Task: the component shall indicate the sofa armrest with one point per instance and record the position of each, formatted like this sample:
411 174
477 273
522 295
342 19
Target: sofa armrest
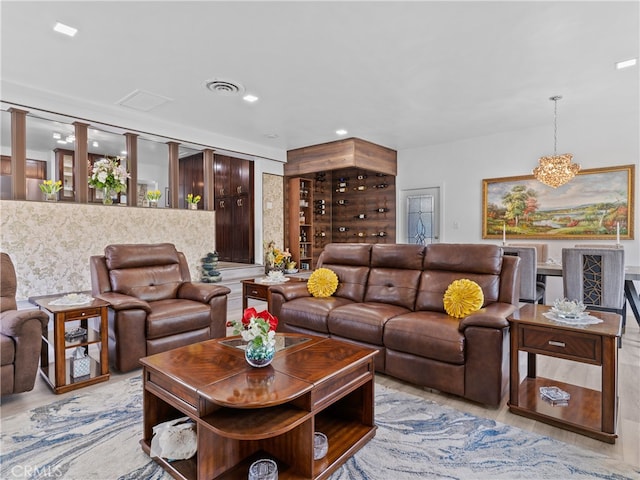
282 293
201 292
492 316
120 301
290 291
13 321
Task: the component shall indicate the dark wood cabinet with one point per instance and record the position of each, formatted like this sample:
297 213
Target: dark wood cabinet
233 193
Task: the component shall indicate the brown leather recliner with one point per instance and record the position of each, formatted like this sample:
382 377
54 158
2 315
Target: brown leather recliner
154 305
20 335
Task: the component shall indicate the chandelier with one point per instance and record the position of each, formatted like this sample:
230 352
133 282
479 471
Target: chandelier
557 169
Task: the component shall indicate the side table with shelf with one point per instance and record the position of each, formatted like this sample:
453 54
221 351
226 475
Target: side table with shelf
58 373
589 412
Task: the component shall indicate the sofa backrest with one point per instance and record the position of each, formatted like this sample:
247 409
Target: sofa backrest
350 262
395 274
148 272
444 263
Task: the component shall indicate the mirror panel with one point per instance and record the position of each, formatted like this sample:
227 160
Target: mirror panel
153 170
5 152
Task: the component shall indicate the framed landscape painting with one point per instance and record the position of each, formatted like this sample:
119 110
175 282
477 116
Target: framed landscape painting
596 204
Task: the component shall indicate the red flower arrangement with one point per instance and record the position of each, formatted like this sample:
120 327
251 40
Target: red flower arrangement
256 327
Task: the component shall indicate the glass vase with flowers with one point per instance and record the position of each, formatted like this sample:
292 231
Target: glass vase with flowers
109 175
192 201
50 189
258 329
153 196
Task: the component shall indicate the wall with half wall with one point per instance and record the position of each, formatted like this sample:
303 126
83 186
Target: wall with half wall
50 242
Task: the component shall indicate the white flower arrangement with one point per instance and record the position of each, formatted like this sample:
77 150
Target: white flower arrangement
109 173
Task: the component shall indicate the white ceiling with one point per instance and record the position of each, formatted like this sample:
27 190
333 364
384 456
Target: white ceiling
400 74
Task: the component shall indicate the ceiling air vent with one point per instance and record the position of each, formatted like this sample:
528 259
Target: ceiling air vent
224 87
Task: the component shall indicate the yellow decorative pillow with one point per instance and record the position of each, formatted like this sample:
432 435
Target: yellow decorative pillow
322 283
463 297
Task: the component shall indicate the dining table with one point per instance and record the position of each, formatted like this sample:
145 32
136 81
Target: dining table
631 273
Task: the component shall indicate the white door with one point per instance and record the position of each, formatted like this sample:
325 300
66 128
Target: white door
420 216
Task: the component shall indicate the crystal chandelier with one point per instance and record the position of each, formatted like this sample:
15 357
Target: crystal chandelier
557 169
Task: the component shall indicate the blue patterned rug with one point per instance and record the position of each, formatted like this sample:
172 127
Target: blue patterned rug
95 433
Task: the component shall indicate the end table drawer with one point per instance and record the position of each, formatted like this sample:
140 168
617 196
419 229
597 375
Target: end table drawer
571 345
256 291
84 313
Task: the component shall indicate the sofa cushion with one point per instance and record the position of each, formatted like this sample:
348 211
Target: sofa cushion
406 256
433 285
362 321
352 281
309 312
426 334
462 298
170 317
140 255
468 258
322 283
393 286
356 254
7 350
147 283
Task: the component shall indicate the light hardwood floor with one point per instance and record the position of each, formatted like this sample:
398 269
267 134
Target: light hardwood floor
626 449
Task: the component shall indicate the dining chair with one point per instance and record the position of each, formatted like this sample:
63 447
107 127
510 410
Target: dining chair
595 276
531 290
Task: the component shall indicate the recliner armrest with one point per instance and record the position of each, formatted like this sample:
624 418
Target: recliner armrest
201 292
492 316
12 321
120 301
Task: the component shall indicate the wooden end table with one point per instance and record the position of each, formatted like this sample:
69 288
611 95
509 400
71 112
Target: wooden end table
58 373
257 289
589 412
244 413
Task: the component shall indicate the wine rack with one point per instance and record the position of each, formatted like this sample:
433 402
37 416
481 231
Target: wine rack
346 205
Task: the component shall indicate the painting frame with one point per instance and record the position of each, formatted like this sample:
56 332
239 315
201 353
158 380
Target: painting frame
597 204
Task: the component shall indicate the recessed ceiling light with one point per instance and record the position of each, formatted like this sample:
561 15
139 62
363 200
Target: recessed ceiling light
57 136
341 131
271 135
250 98
62 142
95 144
65 29
626 63
123 152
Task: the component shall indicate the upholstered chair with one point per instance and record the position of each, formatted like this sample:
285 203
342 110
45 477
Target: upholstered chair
154 305
531 290
595 276
20 335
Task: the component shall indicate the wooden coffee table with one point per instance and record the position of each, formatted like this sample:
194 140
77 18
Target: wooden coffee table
244 413
589 412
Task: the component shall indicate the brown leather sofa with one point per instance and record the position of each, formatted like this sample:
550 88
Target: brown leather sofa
390 297
20 335
154 305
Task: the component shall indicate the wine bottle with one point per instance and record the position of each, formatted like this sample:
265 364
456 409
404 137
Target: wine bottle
361 216
343 229
360 188
381 210
342 202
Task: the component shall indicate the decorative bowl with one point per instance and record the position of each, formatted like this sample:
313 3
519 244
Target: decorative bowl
320 445
568 308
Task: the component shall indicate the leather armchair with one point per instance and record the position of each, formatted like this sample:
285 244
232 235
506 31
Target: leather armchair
154 305
20 335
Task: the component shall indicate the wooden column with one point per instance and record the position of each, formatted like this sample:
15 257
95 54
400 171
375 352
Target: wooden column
174 174
208 179
81 163
18 153
131 140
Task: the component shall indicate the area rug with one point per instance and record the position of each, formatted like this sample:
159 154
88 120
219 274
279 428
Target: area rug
95 434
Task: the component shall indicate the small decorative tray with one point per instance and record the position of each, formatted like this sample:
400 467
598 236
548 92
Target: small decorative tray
580 319
272 280
72 299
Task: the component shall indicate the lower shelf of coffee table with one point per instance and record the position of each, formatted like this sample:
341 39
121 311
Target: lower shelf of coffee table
345 438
